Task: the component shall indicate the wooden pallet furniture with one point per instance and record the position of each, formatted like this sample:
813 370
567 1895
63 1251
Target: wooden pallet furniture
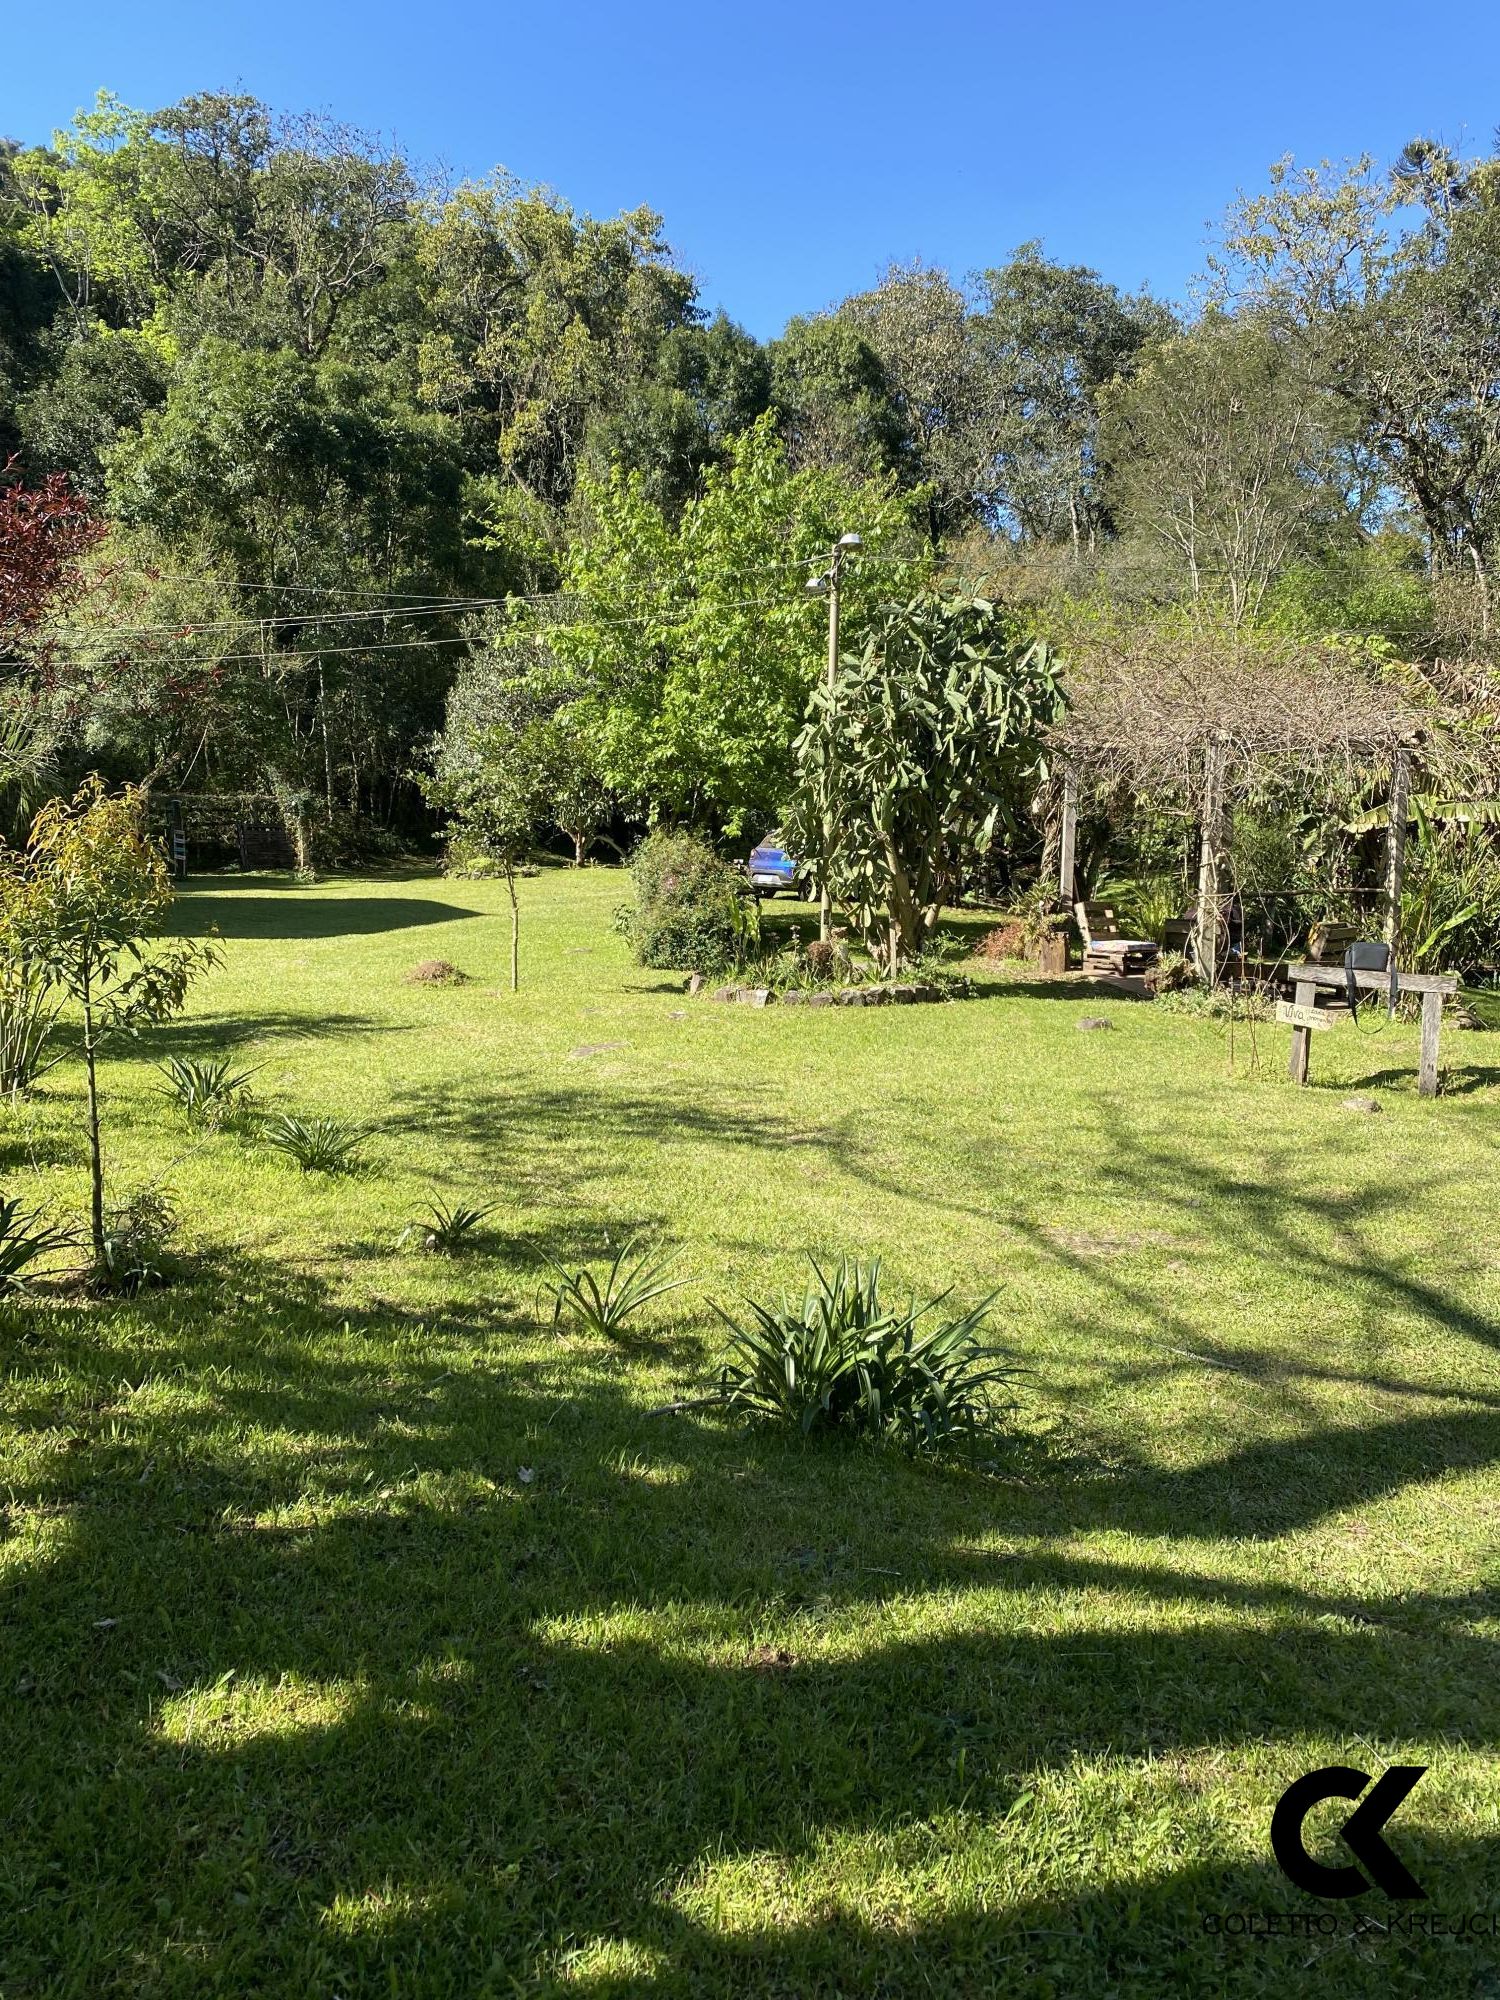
1309 980
1105 948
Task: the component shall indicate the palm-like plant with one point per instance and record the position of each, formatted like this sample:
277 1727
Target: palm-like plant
24 1238
447 1226
840 1358
208 1093
604 1309
317 1145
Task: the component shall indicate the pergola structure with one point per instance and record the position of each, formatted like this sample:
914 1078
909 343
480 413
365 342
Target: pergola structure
1211 713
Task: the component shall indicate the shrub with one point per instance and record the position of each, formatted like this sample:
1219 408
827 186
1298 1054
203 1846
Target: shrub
841 1359
28 1010
24 1237
604 1309
317 1145
137 1236
690 913
208 1094
446 1226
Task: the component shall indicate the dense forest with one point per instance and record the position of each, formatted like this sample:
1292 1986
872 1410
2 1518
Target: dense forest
330 441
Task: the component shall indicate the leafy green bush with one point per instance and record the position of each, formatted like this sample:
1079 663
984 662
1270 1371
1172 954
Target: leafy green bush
841 1359
137 1239
690 913
317 1145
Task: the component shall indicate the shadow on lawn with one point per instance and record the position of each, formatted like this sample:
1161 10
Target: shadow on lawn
502 1718
319 916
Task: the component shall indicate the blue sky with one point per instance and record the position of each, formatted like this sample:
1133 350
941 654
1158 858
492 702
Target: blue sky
795 150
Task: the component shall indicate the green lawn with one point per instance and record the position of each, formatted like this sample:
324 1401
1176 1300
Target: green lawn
362 1636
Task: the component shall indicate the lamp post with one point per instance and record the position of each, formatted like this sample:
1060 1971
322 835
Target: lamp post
829 582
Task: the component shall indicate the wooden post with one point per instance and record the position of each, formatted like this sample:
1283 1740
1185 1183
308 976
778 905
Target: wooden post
1066 871
1395 845
1432 1020
1307 995
1210 857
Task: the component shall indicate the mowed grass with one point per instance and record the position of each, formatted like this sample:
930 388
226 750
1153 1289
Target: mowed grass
364 1636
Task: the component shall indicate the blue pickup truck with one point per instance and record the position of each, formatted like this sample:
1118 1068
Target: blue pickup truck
770 868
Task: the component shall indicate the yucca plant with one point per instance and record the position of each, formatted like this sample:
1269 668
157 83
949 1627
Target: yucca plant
207 1093
604 1309
24 1238
841 1359
28 1013
445 1226
317 1145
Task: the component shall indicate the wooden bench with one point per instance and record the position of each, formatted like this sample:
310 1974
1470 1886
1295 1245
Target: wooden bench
1105 948
1309 980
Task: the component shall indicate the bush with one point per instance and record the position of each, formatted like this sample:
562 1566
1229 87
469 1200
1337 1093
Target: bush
690 912
28 1012
137 1239
840 1359
209 1094
316 1145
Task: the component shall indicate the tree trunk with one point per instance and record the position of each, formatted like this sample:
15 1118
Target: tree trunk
578 848
96 1153
515 932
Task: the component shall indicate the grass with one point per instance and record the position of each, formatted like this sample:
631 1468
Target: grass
365 1635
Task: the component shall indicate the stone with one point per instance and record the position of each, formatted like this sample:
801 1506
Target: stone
727 993
795 998
757 996
1359 1102
1094 1021
820 999
854 996
695 984
905 993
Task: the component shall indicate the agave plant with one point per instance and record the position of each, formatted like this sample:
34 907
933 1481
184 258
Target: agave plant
317 1145
604 1309
446 1226
24 1238
840 1358
207 1093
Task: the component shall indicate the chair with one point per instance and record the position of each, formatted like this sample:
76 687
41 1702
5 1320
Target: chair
1105 949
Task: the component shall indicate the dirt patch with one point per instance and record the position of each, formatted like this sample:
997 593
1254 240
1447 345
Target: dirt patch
436 972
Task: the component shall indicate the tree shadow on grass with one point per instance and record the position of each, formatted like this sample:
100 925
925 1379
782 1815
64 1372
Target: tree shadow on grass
315 1691
319 916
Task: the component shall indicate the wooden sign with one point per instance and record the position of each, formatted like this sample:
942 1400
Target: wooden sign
1290 1015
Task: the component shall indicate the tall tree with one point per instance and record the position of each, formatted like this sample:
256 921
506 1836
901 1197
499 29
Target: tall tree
1051 337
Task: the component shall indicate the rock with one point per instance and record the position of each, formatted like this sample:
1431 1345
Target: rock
1094 1021
905 993
1358 1102
727 993
795 998
820 999
756 996
695 984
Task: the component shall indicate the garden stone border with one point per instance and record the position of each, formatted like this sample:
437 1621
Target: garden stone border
902 993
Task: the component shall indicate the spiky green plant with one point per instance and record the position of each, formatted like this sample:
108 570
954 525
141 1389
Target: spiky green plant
317 1145
446 1226
208 1093
24 1238
840 1358
604 1309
